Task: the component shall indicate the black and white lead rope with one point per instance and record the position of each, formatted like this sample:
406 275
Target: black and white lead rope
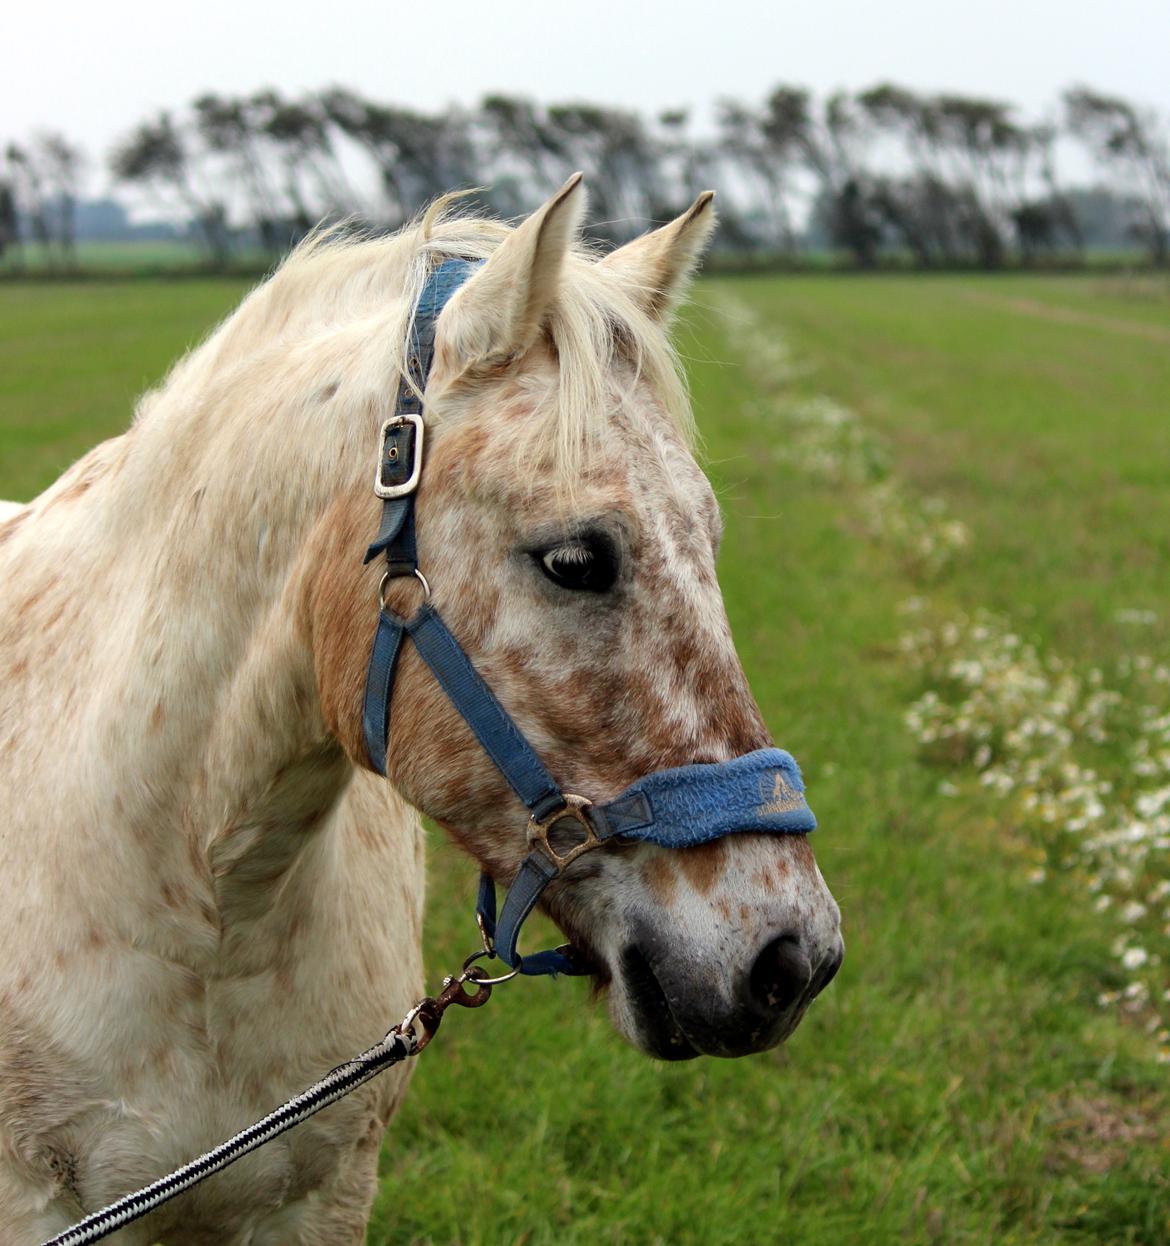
400 1043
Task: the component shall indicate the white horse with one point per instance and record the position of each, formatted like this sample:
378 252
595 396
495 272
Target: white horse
207 898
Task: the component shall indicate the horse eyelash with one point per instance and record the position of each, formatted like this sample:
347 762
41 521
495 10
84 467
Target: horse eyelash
574 552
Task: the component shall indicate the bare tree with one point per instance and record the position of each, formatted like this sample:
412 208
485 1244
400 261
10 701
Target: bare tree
9 221
158 156
313 179
229 129
62 165
27 179
1132 144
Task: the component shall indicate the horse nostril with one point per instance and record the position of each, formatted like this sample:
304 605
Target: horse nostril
827 971
780 976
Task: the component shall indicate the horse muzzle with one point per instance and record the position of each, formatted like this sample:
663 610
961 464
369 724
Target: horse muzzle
677 1011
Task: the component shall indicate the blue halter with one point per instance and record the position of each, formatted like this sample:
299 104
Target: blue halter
760 792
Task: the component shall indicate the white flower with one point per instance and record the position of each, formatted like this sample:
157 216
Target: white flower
1134 957
1140 618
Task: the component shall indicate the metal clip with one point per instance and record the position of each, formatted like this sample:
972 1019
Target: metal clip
489 944
421 1023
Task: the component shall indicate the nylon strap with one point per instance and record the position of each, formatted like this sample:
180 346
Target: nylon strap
535 875
396 532
396 529
501 739
379 686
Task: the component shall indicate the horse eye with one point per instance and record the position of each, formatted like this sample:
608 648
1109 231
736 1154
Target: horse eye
581 564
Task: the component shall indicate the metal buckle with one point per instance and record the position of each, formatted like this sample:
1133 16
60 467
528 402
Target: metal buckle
577 808
409 485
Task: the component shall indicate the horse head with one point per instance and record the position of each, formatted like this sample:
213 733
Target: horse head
569 539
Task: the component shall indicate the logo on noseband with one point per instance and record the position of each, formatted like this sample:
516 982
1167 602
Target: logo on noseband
783 798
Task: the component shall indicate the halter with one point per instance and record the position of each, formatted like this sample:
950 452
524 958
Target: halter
760 792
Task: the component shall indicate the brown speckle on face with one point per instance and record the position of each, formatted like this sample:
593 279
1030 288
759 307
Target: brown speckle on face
702 865
660 878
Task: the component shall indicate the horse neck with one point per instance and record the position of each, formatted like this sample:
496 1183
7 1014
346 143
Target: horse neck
197 715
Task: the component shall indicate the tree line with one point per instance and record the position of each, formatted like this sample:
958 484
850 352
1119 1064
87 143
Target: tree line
937 180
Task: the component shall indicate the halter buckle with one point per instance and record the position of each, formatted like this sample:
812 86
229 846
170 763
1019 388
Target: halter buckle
576 808
400 445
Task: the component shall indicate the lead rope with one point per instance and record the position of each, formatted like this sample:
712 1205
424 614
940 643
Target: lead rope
406 1039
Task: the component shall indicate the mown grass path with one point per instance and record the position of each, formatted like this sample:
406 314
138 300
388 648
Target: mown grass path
957 1084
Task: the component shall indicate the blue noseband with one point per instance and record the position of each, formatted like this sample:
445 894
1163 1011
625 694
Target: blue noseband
760 792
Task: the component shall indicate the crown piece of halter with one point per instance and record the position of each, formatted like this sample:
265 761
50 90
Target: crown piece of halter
760 792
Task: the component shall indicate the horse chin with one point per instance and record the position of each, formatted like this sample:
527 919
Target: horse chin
644 1017
656 1031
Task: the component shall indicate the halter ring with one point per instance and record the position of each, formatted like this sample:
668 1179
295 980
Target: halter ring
387 577
466 976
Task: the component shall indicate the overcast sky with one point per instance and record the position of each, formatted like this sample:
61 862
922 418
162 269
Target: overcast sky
93 70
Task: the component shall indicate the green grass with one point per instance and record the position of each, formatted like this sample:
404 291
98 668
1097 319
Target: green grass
73 358
130 258
957 1083
1050 439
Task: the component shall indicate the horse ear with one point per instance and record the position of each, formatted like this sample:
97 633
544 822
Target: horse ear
658 266
497 315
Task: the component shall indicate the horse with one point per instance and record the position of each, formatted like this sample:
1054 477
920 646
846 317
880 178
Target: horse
209 895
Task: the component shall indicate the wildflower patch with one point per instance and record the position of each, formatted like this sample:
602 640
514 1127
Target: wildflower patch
1082 763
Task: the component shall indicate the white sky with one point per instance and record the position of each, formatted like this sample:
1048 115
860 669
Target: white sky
93 70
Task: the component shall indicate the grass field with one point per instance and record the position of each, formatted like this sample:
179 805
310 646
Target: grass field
129 258
961 1081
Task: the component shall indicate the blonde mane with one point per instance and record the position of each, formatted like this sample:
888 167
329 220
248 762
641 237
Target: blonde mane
343 298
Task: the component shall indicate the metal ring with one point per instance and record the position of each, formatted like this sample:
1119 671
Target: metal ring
387 577
487 981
